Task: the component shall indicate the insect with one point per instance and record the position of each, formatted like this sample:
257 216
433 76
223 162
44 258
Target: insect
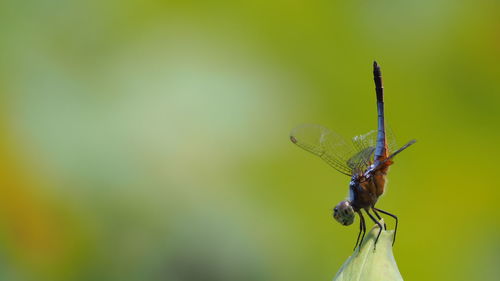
366 160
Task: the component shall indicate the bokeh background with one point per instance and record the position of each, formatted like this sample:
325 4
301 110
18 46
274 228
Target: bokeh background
148 140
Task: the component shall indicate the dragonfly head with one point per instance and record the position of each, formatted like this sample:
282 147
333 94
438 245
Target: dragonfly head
344 213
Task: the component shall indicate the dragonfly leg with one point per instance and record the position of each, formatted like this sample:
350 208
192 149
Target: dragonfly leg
393 216
362 229
379 217
379 225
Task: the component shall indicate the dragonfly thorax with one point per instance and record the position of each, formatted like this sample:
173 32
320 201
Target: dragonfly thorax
355 188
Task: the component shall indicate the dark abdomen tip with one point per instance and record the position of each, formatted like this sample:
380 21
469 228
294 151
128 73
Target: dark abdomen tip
376 69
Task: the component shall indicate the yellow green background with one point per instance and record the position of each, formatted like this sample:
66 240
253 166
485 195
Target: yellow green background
148 140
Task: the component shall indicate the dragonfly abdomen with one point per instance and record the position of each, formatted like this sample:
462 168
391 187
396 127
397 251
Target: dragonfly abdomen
381 147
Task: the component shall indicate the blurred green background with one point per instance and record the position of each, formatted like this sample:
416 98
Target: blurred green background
148 140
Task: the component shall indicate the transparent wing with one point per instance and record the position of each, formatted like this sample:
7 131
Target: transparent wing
329 146
391 139
365 147
361 160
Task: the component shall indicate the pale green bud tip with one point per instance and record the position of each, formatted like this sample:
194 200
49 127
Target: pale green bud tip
369 265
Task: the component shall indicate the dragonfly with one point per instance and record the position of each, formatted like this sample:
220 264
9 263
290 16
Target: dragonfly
366 160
